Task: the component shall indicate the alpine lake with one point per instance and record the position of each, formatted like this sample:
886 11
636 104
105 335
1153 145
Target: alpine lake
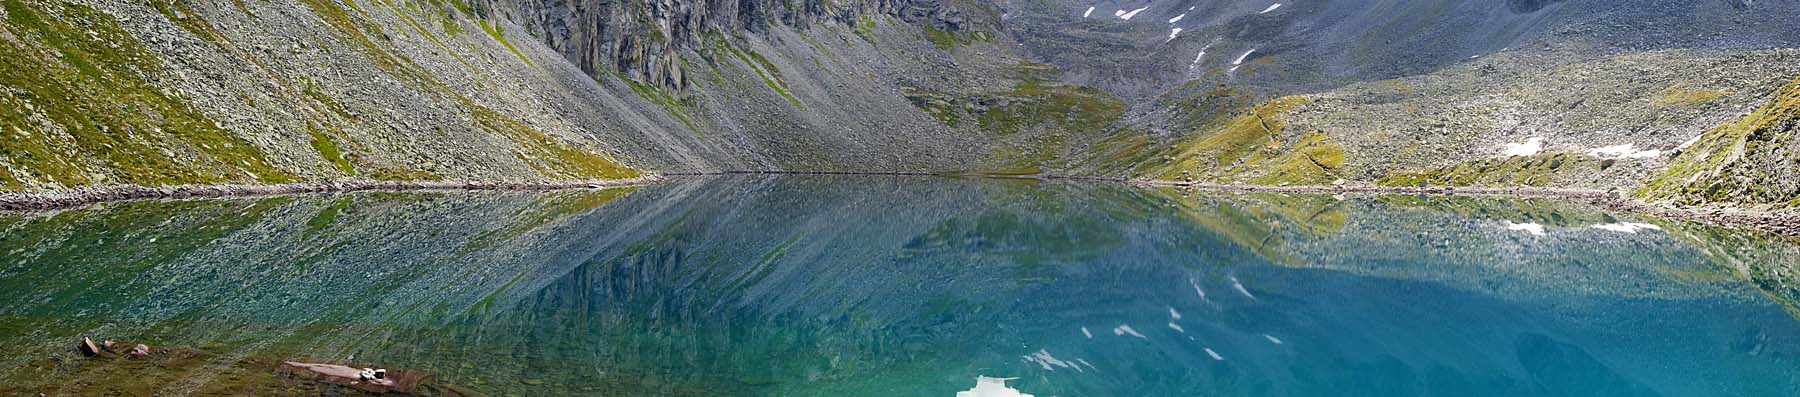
894 286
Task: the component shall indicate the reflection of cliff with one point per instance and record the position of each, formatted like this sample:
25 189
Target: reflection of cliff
798 286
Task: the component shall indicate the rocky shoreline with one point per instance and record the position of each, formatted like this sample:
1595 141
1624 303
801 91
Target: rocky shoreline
1782 223
38 201
1785 223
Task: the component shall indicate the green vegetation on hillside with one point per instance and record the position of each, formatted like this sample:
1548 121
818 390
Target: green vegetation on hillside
1251 148
1750 160
78 107
1539 170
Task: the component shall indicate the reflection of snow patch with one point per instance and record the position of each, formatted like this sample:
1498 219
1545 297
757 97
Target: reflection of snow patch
1241 58
1177 328
1240 288
1625 151
1172 33
1123 329
1085 332
1627 227
1533 228
1531 147
1272 339
1215 355
991 387
1127 15
1090 11
1177 18
1271 8
1043 359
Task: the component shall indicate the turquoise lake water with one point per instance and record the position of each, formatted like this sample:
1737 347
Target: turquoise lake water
898 286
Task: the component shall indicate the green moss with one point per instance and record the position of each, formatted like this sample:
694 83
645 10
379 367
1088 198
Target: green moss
1681 95
551 157
1033 103
950 39
865 27
328 149
770 75
499 34
1541 170
179 14
81 108
1745 160
662 98
1249 148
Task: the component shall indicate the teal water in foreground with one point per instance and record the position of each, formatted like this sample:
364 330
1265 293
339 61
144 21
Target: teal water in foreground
873 286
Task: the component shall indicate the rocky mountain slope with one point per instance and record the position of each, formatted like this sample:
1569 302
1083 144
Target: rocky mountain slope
1570 93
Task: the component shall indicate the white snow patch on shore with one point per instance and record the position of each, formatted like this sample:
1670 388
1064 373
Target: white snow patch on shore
1172 33
1090 11
1272 339
1084 332
1175 315
1127 15
1625 151
1530 147
1177 328
1215 355
1533 228
1177 18
1627 227
1271 8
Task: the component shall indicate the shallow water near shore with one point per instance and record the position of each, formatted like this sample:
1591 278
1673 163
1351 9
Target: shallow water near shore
897 286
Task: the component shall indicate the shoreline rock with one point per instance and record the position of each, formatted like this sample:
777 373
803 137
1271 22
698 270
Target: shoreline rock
74 198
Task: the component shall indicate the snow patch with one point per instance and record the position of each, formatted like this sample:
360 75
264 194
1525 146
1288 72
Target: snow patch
1530 147
1090 11
1625 151
1271 8
1177 328
1177 18
1627 227
1241 58
1127 15
1084 332
1690 142
991 387
1123 329
1215 355
1196 283
1174 315
1172 33
1272 339
1533 228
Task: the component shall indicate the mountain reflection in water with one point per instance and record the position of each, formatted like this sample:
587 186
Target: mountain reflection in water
877 286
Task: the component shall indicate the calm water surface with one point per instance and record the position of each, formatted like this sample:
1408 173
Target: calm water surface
828 286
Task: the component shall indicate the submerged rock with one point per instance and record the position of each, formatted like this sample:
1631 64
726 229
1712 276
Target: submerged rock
398 381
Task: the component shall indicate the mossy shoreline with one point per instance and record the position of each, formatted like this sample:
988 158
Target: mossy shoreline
74 198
